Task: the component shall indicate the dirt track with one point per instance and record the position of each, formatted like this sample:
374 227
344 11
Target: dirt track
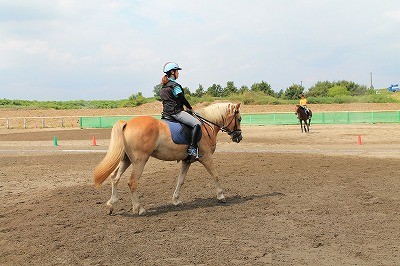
293 199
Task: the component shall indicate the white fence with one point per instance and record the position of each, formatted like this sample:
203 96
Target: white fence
39 122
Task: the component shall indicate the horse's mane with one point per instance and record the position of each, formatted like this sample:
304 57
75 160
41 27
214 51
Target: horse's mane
216 112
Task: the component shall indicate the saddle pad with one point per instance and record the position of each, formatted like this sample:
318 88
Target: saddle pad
180 133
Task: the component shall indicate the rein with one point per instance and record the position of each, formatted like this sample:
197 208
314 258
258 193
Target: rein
223 128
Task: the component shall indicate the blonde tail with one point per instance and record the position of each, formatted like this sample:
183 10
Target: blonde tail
114 154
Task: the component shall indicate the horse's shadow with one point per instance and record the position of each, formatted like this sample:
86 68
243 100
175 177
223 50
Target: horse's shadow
200 203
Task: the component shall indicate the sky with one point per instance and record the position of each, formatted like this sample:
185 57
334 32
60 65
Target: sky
110 49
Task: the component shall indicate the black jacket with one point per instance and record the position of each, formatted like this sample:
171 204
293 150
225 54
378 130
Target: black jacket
171 104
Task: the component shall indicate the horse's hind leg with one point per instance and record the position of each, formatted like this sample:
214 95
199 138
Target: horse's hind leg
209 165
181 179
115 177
137 169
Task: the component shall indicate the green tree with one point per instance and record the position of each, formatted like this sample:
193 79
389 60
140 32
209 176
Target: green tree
243 89
156 92
293 92
230 89
337 91
264 87
134 100
354 88
215 90
186 91
320 89
280 93
199 92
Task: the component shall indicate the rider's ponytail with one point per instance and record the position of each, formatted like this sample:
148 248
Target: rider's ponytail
164 80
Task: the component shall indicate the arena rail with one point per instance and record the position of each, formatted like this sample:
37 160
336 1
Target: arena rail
39 122
348 117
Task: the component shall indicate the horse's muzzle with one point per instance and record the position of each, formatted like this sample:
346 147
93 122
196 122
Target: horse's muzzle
237 136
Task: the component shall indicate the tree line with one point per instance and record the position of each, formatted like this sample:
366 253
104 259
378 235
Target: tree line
323 92
293 92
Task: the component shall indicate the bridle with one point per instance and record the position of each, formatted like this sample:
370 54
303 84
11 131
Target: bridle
235 132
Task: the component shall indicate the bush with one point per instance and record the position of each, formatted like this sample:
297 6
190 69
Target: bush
338 91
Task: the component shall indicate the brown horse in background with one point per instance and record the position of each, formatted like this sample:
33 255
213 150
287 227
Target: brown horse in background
303 116
134 141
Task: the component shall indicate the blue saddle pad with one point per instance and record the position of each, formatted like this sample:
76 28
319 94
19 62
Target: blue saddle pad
180 133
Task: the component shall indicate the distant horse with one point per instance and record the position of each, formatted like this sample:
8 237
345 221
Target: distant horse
303 116
134 141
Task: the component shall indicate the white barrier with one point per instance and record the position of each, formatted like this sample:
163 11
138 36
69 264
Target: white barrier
39 122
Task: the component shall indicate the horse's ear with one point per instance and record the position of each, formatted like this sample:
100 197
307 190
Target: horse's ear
229 109
238 106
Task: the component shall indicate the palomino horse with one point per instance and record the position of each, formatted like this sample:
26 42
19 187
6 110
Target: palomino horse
303 117
134 141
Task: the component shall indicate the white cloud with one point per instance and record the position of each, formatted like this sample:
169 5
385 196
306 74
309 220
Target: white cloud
393 15
121 45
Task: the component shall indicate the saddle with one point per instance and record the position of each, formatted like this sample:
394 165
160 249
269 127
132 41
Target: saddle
306 110
180 133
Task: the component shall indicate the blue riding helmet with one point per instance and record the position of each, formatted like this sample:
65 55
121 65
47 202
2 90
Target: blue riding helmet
171 66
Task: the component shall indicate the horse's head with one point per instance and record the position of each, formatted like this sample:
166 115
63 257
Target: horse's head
232 122
225 116
296 108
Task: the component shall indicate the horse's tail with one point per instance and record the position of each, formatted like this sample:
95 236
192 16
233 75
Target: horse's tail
114 154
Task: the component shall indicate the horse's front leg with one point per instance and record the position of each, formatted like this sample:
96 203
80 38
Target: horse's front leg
115 177
181 179
301 125
209 165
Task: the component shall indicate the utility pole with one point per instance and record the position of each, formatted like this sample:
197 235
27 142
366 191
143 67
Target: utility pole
370 76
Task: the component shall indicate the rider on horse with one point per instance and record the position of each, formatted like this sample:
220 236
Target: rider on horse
303 103
173 99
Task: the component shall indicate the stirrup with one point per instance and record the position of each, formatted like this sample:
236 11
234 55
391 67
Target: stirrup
193 152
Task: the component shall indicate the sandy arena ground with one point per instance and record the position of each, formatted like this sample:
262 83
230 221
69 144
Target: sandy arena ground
292 199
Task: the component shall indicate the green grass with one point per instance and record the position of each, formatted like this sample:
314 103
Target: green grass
247 98
78 104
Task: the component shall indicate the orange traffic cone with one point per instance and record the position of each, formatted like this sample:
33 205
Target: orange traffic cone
94 143
359 142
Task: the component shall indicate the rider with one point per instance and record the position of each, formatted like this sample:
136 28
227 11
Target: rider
303 103
173 99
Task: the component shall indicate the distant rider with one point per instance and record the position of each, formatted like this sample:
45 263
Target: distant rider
173 100
303 103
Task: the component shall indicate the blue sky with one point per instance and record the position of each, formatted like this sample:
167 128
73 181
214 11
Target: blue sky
92 50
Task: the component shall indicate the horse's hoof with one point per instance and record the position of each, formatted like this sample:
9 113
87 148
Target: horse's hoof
139 211
110 208
142 211
177 202
221 198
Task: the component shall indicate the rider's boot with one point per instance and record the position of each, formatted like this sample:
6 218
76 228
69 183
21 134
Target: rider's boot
193 149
